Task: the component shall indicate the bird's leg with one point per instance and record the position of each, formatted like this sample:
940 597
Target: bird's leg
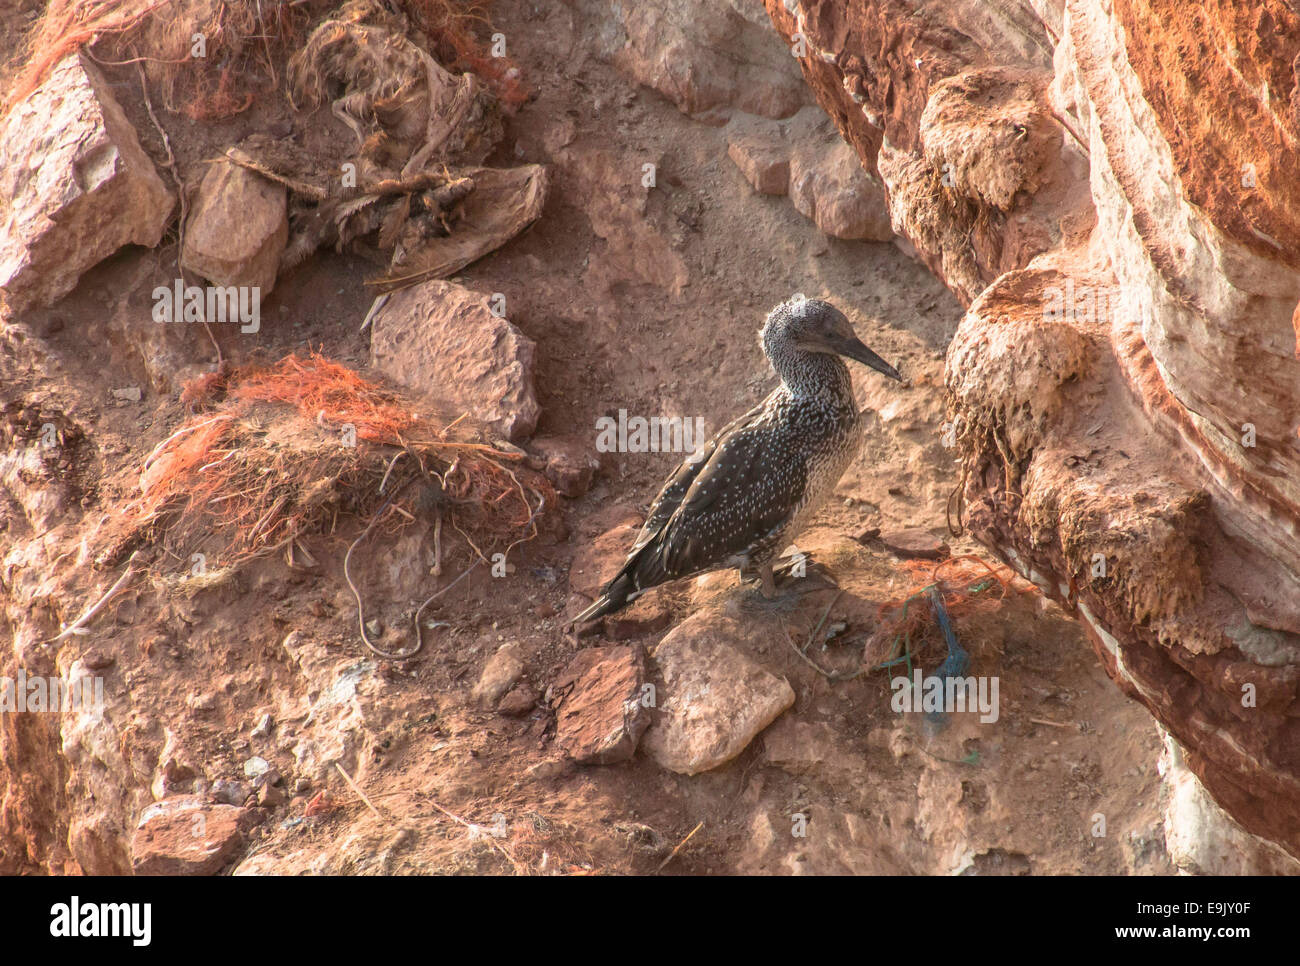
766 583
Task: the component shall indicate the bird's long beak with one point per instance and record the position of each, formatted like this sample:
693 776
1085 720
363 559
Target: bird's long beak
855 349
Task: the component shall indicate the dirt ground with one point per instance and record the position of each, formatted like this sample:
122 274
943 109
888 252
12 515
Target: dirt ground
647 301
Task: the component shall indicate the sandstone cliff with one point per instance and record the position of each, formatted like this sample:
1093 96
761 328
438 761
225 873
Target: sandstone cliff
1111 187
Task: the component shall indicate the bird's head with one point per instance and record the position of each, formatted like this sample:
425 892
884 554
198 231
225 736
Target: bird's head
814 325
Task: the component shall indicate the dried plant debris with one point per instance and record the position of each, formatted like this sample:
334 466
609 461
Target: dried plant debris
503 203
212 58
411 196
404 108
276 453
428 224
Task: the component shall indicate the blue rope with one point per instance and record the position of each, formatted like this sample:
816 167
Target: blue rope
957 662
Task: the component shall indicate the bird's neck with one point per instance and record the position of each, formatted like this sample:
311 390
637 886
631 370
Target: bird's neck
811 375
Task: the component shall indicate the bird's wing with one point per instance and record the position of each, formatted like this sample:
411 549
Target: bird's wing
746 491
676 487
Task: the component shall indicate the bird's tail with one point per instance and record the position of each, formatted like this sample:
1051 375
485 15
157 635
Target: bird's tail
613 598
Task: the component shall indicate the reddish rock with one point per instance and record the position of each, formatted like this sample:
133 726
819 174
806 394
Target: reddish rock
628 625
760 153
97 660
443 340
499 675
706 56
867 534
599 717
568 463
914 543
518 701
186 835
75 185
829 186
637 248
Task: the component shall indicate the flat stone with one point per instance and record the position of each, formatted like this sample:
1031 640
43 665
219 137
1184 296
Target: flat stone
442 340
75 186
600 717
187 835
914 543
707 56
237 228
714 698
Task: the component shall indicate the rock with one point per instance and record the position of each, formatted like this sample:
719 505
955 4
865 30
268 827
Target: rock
714 699
914 543
809 748
760 153
263 727
442 340
271 776
569 463
1201 838
517 702
97 660
227 792
829 186
707 56
75 186
649 620
186 835
867 534
638 247
256 767
600 718
201 703
237 229
499 675
271 796
175 772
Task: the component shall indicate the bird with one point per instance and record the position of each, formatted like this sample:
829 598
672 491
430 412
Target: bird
743 496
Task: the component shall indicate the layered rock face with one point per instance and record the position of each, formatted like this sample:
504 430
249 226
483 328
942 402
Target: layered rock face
1111 186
